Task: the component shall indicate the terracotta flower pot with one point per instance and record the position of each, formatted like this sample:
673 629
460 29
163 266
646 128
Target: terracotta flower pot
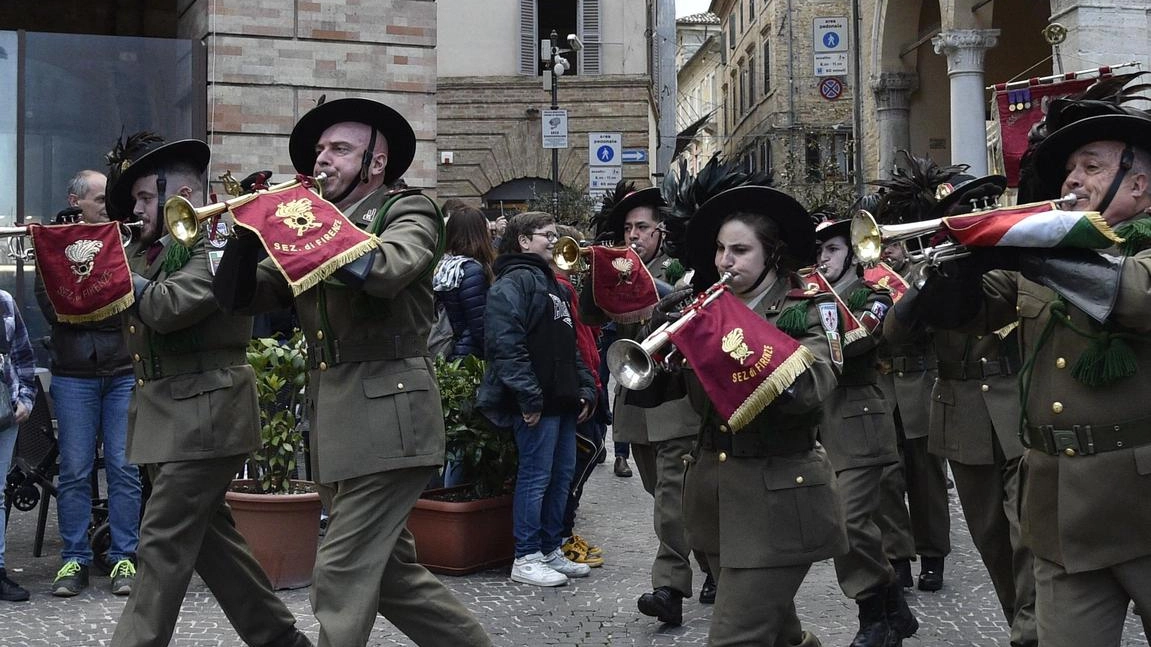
283 531
460 537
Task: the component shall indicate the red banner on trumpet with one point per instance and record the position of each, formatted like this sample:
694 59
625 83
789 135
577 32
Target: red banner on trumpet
84 269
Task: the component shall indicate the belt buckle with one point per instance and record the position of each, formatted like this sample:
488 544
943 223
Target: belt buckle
1066 441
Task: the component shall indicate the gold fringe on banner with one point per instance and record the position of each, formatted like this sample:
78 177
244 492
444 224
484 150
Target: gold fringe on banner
782 377
114 308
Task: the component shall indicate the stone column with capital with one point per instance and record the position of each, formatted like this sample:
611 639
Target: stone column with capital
893 110
964 49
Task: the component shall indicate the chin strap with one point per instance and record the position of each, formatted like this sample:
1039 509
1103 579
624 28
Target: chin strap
365 170
1125 163
161 197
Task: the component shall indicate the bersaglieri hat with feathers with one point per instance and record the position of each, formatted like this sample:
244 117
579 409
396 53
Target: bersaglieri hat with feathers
609 222
143 152
910 194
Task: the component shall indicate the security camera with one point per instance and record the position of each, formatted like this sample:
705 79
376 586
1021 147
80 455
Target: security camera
574 42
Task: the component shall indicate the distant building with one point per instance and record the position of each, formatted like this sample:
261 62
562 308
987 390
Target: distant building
697 60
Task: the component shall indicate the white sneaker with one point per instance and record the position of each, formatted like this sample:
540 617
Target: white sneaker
556 561
531 569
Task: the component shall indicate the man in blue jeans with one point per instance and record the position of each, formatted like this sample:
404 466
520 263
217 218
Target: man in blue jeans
18 378
91 388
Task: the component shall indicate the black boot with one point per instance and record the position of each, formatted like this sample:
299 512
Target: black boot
931 576
899 616
873 628
903 572
664 603
708 590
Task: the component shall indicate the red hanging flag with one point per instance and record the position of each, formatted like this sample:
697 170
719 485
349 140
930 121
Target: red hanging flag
621 284
306 236
742 360
1019 110
84 269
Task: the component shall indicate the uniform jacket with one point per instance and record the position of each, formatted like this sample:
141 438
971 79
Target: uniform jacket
907 373
673 419
94 349
373 401
195 392
1084 512
464 305
858 429
534 363
770 510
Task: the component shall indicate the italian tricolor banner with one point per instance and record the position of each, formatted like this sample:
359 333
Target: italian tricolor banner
1032 225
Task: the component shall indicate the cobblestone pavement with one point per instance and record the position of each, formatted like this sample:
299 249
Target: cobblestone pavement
599 610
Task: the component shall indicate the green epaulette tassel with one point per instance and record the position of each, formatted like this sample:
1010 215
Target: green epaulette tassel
1106 360
1136 235
857 298
674 271
175 257
793 319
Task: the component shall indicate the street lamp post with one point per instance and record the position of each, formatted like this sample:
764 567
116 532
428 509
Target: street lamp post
555 65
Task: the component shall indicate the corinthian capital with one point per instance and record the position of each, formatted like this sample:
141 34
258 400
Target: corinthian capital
964 48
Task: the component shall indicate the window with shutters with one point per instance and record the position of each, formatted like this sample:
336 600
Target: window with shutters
537 20
766 66
731 32
750 10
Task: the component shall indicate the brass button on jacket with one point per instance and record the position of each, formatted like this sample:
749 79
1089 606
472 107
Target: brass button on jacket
723 457
1057 407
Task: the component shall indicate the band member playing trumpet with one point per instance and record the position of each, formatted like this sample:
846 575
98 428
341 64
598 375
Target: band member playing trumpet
377 424
762 503
661 435
194 418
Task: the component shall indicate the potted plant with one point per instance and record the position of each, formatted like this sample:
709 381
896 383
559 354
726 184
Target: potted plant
468 528
278 515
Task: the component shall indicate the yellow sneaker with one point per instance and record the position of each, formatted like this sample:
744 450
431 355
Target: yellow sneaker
591 550
576 550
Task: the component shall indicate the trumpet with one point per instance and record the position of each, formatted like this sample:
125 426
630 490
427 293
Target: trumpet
184 220
19 250
632 363
927 241
570 256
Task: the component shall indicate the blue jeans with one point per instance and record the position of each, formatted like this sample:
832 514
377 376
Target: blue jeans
547 454
7 446
93 410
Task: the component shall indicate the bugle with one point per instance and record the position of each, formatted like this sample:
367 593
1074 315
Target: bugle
569 255
632 363
18 248
926 241
184 220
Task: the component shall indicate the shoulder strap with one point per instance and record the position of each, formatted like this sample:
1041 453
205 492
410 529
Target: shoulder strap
381 217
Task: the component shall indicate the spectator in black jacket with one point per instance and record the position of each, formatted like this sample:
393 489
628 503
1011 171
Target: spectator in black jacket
537 383
462 279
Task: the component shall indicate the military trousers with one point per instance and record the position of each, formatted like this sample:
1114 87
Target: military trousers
864 569
367 564
923 478
187 526
894 520
661 468
1090 608
756 606
989 495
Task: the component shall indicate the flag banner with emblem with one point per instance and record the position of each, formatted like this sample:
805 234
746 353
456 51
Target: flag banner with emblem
306 236
1040 224
1017 110
883 277
621 284
742 361
849 327
84 269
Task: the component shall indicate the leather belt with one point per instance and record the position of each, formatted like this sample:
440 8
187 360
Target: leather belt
913 364
978 369
1087 439
859 378
385 348
160 366
748 444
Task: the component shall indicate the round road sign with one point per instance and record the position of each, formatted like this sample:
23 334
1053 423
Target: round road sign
831 88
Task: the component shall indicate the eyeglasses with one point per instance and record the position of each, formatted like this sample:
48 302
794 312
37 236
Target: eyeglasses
550 235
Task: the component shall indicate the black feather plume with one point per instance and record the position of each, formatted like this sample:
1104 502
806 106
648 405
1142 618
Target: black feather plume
600 221
126 151
910 193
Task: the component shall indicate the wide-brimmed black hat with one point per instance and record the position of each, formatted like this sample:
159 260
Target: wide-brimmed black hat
401 138
617 214
795 226
141 156
1051 155
963 189
828 229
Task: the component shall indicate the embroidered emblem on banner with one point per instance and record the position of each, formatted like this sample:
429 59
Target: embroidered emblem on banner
298 215
733 344
623 266
80 255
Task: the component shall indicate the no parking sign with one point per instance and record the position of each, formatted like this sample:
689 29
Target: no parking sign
831 88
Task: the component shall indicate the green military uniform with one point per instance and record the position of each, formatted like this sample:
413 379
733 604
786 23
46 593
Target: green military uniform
193 420
762 504
660 437
906 375
377 431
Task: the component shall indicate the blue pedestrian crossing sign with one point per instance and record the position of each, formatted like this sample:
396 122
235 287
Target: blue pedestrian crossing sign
829 34
605 154
603 149
831 40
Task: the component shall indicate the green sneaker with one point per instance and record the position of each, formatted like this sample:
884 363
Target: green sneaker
70 579
123 576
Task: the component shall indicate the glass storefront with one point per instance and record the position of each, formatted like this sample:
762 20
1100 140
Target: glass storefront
64 101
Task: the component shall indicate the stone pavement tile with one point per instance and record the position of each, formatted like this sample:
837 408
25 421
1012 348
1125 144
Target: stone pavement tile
595 611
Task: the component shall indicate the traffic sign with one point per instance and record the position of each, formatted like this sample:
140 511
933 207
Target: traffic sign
603 178
604 149
554 125
633 155
830 34
832 64
831 89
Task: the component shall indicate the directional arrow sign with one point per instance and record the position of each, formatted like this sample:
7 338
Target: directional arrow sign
633 155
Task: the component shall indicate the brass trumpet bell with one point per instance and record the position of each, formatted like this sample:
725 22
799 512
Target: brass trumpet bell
184 220
568 255
868 239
